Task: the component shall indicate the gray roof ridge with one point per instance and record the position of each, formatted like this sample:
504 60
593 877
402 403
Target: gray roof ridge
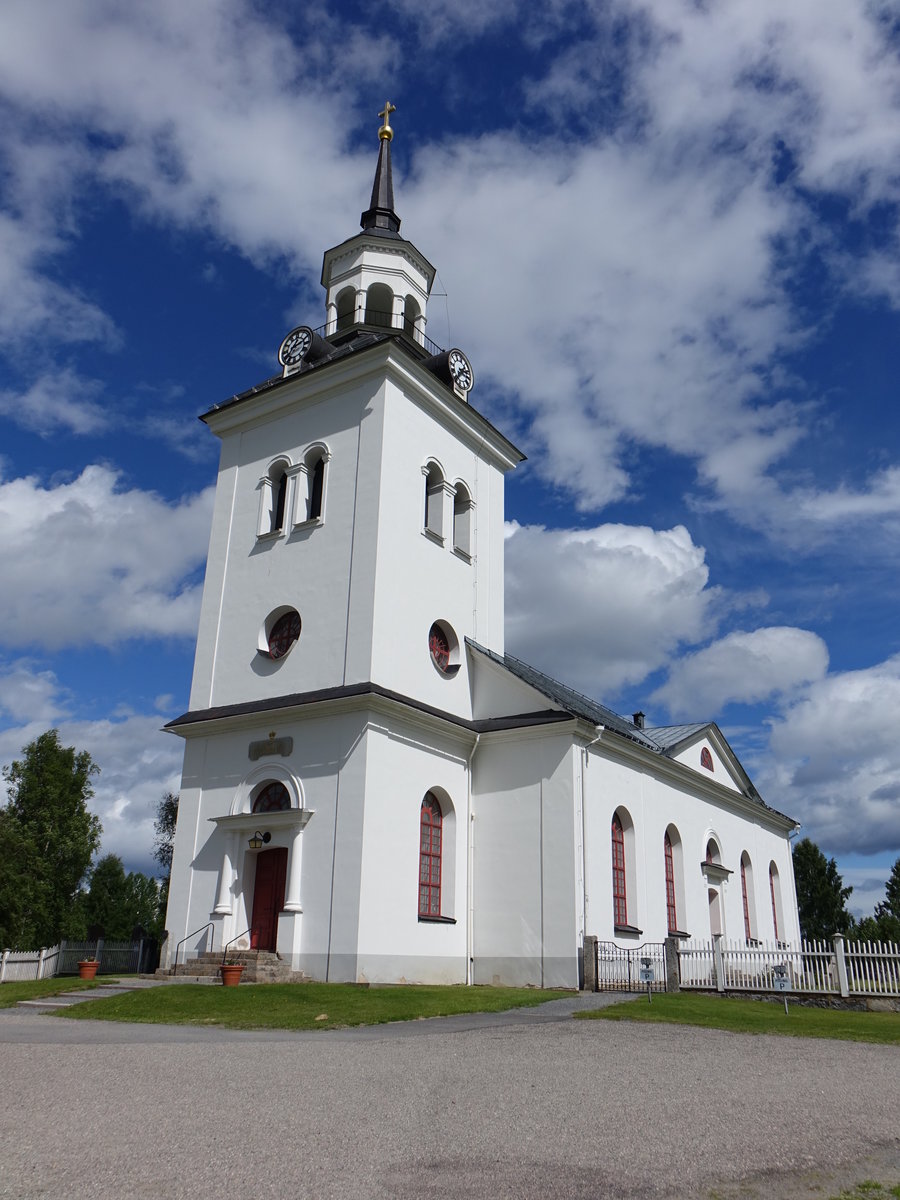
578 702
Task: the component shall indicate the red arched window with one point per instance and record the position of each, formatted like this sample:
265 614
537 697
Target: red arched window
620 900
273 798
747 934
671 912
706 759
430 831
772 886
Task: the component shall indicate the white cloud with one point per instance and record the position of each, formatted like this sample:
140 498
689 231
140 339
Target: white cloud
138 763
599 608
834 759
62 400
743 667
29 693
90 562
651 310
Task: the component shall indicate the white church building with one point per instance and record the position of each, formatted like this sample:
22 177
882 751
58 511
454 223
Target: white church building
372 787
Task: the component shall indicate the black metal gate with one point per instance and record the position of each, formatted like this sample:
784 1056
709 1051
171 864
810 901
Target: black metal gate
622 969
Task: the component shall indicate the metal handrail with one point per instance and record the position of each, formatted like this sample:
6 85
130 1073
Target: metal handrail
208 925
234 939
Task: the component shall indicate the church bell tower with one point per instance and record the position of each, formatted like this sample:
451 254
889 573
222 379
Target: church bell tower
358 527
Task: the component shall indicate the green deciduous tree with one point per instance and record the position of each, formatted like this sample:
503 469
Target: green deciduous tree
821 895
47 839
116 904
890 906
164 826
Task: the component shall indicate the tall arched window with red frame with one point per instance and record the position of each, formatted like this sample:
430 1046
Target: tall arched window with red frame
671 908
773 884
620 898
747 934
430 837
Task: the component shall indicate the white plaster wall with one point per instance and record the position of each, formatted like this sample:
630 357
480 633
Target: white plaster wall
653 802
497 693
690 756
404 762
308 568
417 580
525 888
328 759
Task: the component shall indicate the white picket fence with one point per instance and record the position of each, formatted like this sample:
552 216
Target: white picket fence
836 967
28 964
114 958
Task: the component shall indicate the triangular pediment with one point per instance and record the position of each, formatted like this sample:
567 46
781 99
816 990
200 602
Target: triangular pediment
703 748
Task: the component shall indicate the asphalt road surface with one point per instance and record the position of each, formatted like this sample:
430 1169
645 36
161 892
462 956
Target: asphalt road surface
530 1105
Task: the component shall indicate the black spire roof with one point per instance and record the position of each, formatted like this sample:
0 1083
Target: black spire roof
380 215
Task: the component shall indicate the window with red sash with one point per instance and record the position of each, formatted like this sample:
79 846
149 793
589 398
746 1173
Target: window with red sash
671 910
430 848
620 899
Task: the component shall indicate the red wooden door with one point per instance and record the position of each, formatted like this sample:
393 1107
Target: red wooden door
268 898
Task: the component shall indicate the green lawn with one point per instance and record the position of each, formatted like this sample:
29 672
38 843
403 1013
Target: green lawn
34 989
756 1016
870 1190
300 1005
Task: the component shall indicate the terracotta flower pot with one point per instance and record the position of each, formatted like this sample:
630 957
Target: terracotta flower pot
88 969
231 973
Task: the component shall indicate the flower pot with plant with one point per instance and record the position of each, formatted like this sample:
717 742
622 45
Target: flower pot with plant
88 968
231 971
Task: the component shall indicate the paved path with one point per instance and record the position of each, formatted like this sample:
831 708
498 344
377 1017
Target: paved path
530 1104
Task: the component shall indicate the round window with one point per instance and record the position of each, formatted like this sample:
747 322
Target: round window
273 798
439 647
283 634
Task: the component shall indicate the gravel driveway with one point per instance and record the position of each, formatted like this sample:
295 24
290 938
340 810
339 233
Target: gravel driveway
528 1105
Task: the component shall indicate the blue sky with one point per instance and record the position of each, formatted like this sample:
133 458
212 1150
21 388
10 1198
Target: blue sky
667 239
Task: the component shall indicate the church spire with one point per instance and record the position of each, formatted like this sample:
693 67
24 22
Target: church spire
380 213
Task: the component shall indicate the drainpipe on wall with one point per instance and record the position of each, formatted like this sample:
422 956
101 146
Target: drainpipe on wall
470 861
601 729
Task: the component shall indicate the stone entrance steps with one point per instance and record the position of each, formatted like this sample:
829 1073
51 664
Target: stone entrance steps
260 966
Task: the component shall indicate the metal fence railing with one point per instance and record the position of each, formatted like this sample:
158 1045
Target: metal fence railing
625 969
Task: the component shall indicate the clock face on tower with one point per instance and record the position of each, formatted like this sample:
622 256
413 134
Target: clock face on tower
295 346
460 370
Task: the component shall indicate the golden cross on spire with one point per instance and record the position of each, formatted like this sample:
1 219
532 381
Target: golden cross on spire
385 131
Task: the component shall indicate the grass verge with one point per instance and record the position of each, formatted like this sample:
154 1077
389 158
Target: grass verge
756 1016
300 1005
869 1189
35 989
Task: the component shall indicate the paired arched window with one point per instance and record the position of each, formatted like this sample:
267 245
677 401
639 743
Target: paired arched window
462 520
620 887
431 823
315 465
434 501
274 497
272 797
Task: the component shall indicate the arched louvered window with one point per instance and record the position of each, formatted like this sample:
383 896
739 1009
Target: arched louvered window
430 851
620 899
